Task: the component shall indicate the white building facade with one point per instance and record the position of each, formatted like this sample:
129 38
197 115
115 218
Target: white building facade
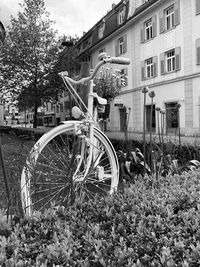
162 40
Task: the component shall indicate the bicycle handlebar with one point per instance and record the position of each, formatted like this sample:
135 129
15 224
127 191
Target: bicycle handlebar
117 60
112 60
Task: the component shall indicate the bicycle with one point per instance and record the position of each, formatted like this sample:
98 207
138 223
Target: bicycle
75 157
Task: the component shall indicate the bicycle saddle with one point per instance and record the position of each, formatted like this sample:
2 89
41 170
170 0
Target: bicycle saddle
100 100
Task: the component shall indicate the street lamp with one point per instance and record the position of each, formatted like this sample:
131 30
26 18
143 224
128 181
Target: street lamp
144 91
2 37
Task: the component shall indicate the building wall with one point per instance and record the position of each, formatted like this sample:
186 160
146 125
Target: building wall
181 85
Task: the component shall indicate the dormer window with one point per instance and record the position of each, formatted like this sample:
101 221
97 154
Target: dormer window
101 29
121 15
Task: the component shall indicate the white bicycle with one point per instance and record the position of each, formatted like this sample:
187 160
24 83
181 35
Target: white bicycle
74 158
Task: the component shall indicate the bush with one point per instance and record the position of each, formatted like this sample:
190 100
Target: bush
152 223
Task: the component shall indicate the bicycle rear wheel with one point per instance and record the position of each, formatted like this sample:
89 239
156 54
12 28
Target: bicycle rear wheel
58 167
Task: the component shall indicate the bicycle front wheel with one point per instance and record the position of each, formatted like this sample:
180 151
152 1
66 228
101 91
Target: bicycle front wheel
66 162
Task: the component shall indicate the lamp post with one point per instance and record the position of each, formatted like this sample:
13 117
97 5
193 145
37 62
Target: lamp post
151 95
179 129
162 112
144 91
158 122
2 37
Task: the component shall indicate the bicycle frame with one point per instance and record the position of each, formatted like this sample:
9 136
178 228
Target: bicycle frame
92 113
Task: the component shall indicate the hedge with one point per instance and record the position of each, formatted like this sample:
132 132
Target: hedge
150 223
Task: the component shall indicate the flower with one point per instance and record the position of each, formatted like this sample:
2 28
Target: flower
145 90
152 94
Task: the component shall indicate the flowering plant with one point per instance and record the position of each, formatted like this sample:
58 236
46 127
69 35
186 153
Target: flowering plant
109 83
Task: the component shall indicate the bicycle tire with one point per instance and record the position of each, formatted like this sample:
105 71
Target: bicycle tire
53 169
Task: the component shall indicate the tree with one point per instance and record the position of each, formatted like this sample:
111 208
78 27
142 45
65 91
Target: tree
29 54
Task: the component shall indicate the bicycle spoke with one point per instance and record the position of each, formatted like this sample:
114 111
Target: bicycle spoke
49 201
56 173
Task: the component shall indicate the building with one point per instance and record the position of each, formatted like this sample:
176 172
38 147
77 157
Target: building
162 40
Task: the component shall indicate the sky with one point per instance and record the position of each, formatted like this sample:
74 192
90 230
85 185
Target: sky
72 17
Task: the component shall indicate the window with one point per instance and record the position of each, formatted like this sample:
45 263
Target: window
170 17
121 16
148 29
61 107
198 51
121 45
50 119
197 7
101 29
149 68
123 119
57 108
102 50
170 61
172 117
66 105
151 126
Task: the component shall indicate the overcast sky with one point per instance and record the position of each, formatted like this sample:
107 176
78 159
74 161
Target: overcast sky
72 16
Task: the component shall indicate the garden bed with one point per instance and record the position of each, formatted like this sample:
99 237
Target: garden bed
152 223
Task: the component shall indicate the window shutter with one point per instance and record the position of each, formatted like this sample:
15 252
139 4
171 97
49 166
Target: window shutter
125 44
177 58
143 70
162 63
177 12
117 48
197 7
142 32
155 68
198 51
161 18
154 25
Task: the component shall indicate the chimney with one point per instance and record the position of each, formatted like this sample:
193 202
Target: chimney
113 5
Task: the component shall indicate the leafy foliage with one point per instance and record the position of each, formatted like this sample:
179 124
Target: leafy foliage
109 82
153 223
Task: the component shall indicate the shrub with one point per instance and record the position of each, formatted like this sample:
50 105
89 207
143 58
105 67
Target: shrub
153 223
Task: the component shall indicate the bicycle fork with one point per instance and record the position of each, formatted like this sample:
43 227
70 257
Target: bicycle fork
94 155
